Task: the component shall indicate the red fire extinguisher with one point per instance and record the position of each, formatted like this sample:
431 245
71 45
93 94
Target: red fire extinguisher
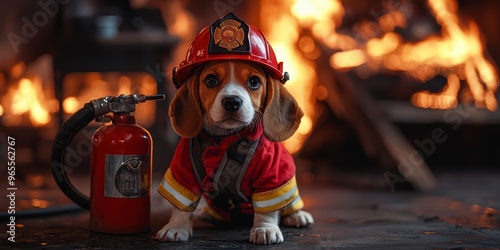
121 163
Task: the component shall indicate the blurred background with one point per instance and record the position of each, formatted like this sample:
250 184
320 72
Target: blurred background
393 91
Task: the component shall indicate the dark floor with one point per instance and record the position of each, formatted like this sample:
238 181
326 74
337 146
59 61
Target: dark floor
462 213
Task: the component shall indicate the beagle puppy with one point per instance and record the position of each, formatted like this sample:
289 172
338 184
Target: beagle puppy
232 115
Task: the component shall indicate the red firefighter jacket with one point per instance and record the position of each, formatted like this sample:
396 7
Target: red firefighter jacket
257 175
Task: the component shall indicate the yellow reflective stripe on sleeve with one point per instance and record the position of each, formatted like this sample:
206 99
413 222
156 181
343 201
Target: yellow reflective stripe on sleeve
177 194
295 206
275 192
273 200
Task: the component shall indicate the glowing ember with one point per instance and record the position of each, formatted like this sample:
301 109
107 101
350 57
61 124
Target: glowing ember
17 70
348 59
71 105
447 99
39 203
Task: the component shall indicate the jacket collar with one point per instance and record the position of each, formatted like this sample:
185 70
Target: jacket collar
251 133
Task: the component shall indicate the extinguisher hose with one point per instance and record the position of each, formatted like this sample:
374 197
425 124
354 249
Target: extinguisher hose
63 139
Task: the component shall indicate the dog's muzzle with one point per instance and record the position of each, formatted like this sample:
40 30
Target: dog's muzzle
232 103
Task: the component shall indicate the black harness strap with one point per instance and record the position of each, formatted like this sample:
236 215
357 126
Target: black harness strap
229 174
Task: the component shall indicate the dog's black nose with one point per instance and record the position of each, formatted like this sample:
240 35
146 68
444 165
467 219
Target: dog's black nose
231 103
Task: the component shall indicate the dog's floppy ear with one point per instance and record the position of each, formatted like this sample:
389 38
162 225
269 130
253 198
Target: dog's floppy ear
282 114
185 112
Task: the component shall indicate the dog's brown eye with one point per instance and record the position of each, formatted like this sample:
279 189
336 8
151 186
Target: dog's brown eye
211 80
254 82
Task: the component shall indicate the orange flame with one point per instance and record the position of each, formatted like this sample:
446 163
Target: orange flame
17 70
457 54
447 99
28 98
282 32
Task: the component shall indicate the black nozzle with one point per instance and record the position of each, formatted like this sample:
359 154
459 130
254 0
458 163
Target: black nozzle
155 97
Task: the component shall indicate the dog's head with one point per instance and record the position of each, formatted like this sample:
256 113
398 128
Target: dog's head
225 96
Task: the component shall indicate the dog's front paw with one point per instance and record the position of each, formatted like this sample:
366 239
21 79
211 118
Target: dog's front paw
298 219
174 233
266 234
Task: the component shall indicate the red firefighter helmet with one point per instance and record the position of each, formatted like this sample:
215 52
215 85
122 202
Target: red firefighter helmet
229 38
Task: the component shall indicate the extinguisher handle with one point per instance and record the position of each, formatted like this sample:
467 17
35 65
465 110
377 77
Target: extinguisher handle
63 138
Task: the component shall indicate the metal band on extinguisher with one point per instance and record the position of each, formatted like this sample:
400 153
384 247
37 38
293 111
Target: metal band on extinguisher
127 176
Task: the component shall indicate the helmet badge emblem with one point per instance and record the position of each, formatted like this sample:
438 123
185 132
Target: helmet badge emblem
229 35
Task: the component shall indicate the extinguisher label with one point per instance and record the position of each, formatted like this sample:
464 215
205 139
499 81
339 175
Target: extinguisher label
127 176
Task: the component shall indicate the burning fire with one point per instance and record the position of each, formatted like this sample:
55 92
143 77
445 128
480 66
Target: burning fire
282 30
456 54
28 98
